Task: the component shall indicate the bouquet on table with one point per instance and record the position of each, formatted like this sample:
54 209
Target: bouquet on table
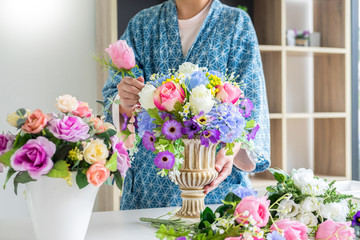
192 103
57 145
298 207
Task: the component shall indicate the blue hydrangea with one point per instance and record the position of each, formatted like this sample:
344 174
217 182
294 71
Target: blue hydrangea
157 82
243 192
196 79
145 123
216 73
275 236
229 121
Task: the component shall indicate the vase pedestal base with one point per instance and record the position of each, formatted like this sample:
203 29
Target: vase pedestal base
193 202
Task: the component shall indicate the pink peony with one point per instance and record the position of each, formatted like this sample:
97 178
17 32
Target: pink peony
123 160
167 95
258 208
331 230
229 93
34 157
36 122
97 174
292 229
82 110
121 55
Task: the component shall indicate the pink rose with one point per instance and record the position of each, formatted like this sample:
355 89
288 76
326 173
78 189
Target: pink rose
82 110
98 124
167 95
121 55
123 160
331 230
36 122
258 208
292 229
97 174
229 93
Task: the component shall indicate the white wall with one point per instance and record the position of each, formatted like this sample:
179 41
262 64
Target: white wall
46 49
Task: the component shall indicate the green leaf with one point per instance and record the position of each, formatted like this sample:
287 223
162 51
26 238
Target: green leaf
250 124
172 148
21 177
20 122
10 172
118 179
112 163
59 170
62 153
154 113
21 140
223 209
170 234
229 149
21 112
232 197
107 134
5 158
81 179
279 175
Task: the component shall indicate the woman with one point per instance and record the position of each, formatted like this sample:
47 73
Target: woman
212 35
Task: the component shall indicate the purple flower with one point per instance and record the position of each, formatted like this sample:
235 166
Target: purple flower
69 128
207 136
181 238
245 192
190 128
124 125
172 129
253 132
6 142
246 107
164 160
34 157
145 123
148 141
165 115
356 219
123 160
275 235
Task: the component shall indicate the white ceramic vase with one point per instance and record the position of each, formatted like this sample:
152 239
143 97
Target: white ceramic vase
59 211
197 171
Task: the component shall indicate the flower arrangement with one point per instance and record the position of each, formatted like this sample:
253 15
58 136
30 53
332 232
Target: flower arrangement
244 215
57 145
192 103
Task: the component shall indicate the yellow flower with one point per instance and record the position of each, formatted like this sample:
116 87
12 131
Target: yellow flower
96 151
202 120
14 117
75 154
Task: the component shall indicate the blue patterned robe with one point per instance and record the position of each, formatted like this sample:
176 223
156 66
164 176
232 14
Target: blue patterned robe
226 42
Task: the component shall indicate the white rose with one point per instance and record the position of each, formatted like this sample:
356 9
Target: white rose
310 204
287 209
302 177
308 219
201 99
96 151
188 68
335 211
147 97
315 188
67 103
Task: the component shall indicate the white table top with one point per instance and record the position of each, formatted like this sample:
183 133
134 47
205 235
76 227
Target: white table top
103 225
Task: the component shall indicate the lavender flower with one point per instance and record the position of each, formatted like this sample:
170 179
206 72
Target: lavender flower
164 160
356 219
181 238
124 125
190 128
172 129
228 120
275 235
69 128
165 115
246 108
253 132
145 123
208 136
243 192
148 141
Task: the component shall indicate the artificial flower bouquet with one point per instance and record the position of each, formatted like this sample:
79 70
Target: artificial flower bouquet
58 145
245 216
192 103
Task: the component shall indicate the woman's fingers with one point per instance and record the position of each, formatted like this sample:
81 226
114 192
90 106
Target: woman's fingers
226 164
134 82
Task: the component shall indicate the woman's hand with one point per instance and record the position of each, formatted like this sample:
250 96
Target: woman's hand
128 91
223 165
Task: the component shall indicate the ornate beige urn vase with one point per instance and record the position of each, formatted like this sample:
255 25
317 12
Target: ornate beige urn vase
197 171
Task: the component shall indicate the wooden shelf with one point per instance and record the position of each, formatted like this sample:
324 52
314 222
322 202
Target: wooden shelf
270 48
316 115
321 50
276 116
